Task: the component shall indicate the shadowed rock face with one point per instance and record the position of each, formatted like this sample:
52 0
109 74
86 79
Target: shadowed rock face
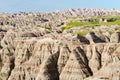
93 38
35 53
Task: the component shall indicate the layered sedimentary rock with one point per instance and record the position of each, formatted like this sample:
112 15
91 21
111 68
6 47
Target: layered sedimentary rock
35 53
57 58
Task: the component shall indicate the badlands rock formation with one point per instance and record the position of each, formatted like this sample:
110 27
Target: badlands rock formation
32 52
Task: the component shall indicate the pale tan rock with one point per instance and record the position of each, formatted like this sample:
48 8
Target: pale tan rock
48 69
33 47
8 38
110 72
95 61
77 70
115 37
63 58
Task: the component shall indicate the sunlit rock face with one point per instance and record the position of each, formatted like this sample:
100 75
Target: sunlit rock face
31 50
57 58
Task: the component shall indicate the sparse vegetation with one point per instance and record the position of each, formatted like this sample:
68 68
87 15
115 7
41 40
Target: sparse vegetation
78 24
0 79
72 24
93 22
48 27
112 18
82 33
118 28
110 32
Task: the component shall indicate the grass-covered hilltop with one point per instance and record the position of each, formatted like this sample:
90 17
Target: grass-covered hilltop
94 24
73 44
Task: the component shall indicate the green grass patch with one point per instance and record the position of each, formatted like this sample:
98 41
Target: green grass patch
78 24
111 32
93 22
111 23
108 18
71 24
82 33
112 18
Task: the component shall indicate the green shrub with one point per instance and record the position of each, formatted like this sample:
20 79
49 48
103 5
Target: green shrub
94 20
0 79
110 32
111 23
48 27
113 18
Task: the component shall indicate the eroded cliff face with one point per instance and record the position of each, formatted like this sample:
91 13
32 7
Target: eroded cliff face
34 47
54 56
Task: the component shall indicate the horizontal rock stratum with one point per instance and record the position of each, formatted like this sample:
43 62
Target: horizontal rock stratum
30 52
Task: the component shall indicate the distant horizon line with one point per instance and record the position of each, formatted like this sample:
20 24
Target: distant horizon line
14 12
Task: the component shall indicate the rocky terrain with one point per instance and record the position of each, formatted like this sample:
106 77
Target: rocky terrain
34 46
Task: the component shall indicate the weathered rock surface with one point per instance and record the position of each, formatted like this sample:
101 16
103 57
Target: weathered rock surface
28 52
52 19
53 58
